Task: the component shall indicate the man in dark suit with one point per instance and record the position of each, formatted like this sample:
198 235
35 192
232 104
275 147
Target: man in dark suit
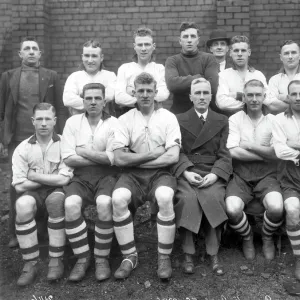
218 45
203 170
20 90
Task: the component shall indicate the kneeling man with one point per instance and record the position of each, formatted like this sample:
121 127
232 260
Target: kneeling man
146 144
286 133
87 147
203 170
254 170
38 172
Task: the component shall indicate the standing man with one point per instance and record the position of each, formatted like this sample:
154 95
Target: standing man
203 171
20 90
38 171
232 80
290 57
218 44
91 72
146 144
142 62
286 134
183 68
254 170
87 147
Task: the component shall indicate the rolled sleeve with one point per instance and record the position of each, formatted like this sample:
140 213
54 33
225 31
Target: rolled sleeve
64 170
234 136
68 142
162 90
20 165
173 135
71 97
121 134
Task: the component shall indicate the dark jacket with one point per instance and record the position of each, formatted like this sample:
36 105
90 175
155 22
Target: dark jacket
50 91
204 151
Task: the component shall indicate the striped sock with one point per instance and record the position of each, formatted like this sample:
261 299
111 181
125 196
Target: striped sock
77 234
27 237
293 232
269 227
57 236
242 227
123 227
104 232
166 233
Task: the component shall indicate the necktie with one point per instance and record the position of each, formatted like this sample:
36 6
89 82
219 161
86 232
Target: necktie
202 119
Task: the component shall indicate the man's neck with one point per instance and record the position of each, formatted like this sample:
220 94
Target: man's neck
147 111
143 63
43 140
242 68
296 114
254 115
291 72
188 53
35 65
220 59
93 121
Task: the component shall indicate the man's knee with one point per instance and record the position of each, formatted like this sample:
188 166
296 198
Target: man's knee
55 204
73 206
120 199
164 196
273 203
104 207
292 206
234 206
25 205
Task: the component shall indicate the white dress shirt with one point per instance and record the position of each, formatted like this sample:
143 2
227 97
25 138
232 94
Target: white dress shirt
204 114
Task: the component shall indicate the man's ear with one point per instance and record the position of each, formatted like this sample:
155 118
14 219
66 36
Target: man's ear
154 46
243 99
32 120
190 96
133 92
249 51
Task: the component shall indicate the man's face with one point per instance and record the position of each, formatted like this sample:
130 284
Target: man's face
189 40
201 96
219 49
44 122
254 97
145 94
93 102
30 53
144 47
290 56
294 96
92 59
240 54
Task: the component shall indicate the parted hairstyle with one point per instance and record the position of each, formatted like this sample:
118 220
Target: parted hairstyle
288 42
199 80
94 86
44 106
254 82
142 31
239 39
186 25
297 82
26 39
94 44
145 78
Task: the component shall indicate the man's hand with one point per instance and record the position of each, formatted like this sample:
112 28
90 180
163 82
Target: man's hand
32 175
193 178
208 180
158 151
130 90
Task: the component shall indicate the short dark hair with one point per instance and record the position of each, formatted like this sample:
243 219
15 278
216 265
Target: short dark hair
28 39
288 42
186 25
144 78
254 82
92 43
297 82
94 86
143 31
44 106
239 39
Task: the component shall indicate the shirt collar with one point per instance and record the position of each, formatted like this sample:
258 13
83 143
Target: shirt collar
282 70
204 114
105 115
55 138
250 69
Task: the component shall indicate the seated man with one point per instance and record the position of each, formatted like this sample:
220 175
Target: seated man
147 143
232 80
143 62
203 169
87 147
286 135
254 170
38 171
91 72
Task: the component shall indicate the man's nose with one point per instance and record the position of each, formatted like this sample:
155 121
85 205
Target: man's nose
90 59
93 101
143 47
290 55
44 122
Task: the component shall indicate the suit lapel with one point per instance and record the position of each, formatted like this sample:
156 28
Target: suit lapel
190 122
44 78
14 84
210 129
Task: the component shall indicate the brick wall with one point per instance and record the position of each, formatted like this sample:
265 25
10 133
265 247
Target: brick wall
62 26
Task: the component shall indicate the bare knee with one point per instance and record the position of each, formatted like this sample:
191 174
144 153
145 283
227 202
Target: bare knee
120 199
273 203
55 205
73 206
234 207
292 208
164 197
104 207
25 208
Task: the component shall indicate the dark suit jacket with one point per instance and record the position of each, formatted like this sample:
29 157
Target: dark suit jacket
50 91
203 151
